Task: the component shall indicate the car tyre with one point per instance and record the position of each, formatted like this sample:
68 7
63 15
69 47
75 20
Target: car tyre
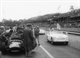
3 52
2 48
52 42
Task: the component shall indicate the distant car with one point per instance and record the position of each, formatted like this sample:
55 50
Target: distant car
57 37
42 32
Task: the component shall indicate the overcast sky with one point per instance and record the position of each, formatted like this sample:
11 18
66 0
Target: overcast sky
20 9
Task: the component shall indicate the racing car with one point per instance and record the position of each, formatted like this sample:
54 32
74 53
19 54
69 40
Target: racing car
14 44
57 37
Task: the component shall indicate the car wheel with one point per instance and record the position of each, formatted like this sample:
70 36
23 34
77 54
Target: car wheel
2 48
51 42
4 52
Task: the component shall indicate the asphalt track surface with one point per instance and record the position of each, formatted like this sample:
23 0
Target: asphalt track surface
47 50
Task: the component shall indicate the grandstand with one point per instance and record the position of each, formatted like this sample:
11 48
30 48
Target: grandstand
69 20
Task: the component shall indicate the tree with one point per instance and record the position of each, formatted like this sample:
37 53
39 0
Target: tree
4 20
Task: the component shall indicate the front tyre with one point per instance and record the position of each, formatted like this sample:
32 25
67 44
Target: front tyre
2 48
4 51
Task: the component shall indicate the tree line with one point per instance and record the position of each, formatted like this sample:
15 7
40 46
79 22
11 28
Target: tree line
40 19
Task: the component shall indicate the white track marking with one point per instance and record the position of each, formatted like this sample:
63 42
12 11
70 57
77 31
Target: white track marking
46 52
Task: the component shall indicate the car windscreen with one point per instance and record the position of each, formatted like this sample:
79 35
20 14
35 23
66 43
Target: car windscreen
56 32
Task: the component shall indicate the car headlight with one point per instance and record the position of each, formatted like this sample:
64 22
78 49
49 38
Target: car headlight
54 38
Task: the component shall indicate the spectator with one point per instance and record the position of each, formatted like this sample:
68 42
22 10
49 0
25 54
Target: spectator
28 40
37 34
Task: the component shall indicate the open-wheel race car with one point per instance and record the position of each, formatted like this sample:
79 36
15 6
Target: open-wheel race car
14 44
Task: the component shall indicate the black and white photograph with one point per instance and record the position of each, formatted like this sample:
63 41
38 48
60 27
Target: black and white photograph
39 28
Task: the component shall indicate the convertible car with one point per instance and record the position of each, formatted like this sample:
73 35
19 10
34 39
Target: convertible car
57 37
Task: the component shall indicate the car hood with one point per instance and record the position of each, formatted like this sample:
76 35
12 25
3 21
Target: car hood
14 44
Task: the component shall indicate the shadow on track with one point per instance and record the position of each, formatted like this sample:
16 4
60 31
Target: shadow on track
19 55
8 53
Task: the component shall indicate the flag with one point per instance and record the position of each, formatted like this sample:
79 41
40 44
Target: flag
58 26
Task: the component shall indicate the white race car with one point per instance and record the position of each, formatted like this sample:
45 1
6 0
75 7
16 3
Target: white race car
58 37
42 32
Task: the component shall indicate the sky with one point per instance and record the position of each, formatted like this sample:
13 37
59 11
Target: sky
24 9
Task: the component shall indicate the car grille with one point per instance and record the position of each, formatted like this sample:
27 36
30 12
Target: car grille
61 38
